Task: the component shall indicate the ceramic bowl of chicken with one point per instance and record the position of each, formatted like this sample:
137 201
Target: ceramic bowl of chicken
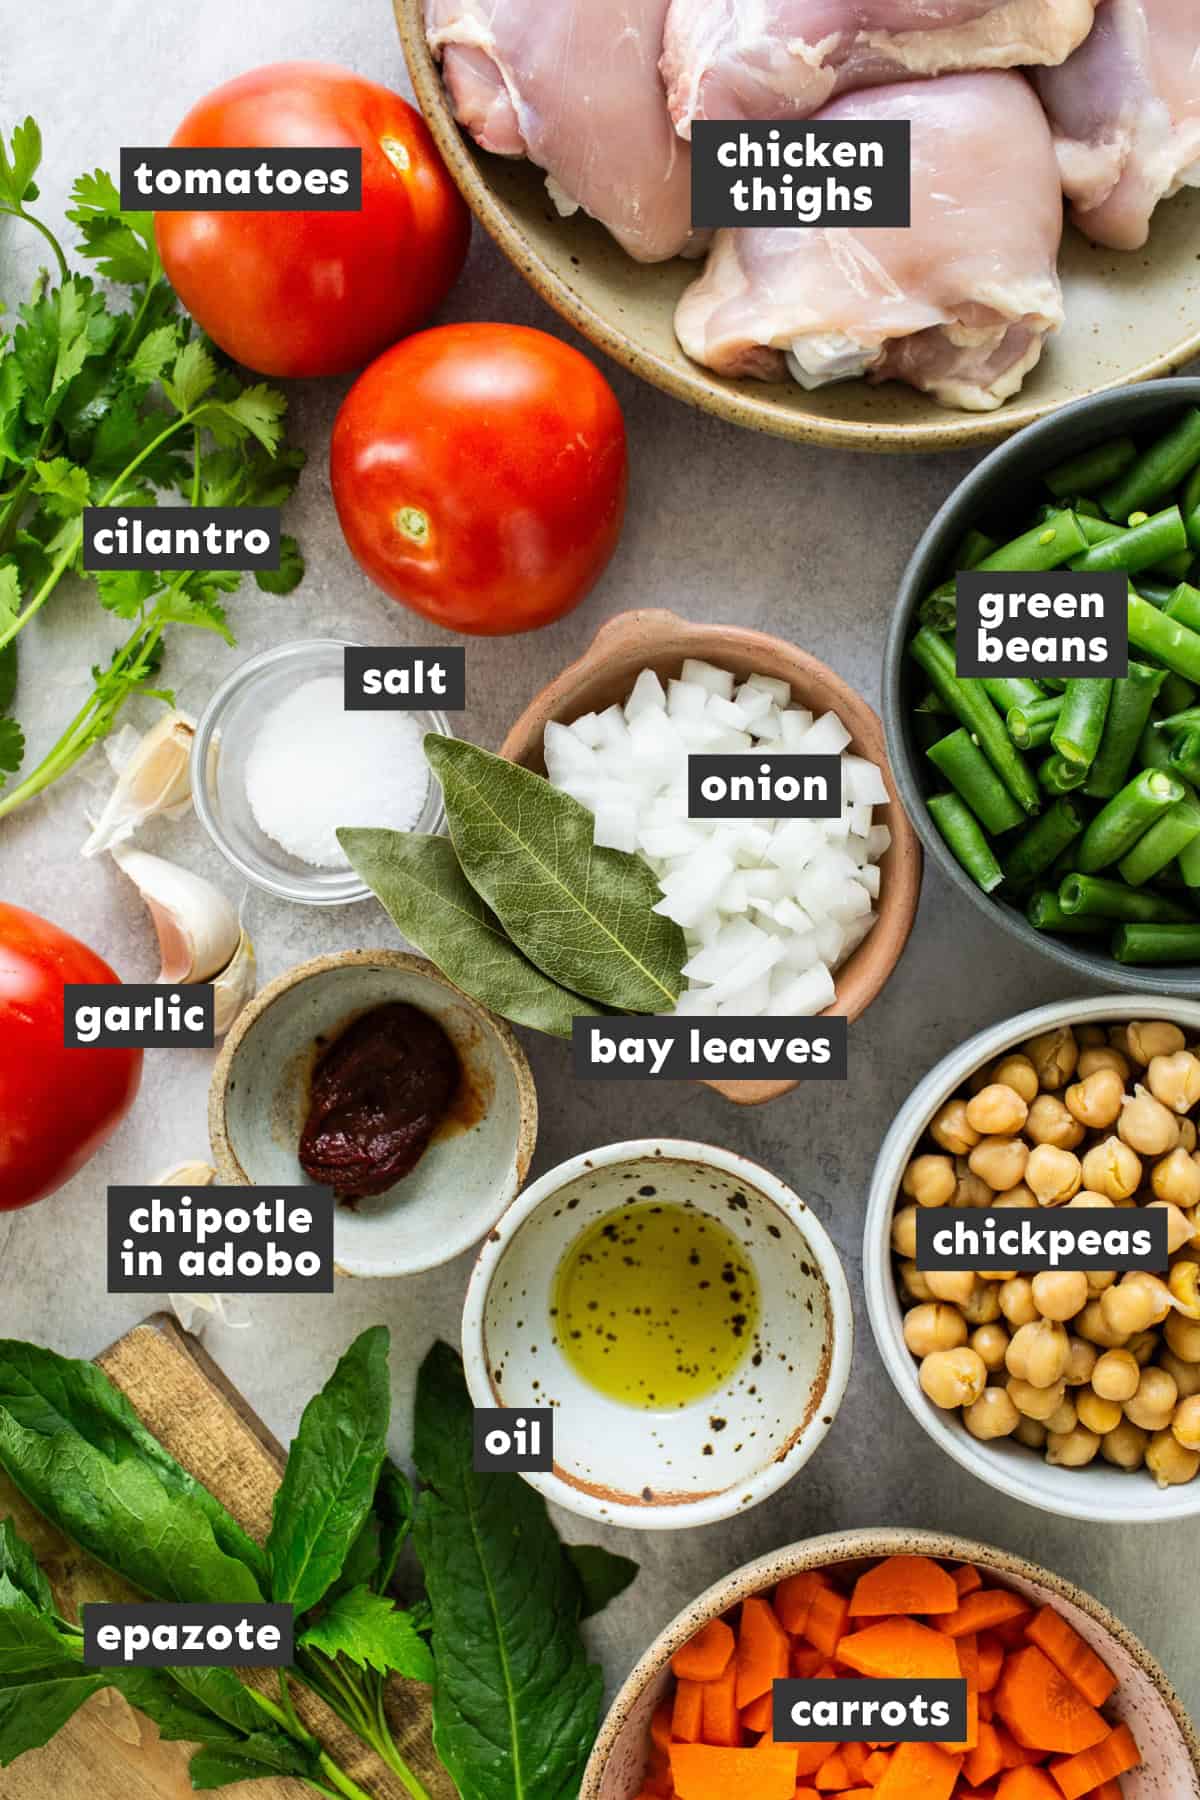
684 1314
1000 492
659 640
266 1079
1144 1699
997 314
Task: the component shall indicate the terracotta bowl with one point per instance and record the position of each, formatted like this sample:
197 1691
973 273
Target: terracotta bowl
606 672
1145 1700
1129 317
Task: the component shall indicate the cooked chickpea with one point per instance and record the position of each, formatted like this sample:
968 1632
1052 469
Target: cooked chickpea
1039 1353
904 1232
914 1283
1187 1135
983 1307
1186 1376
1096 1100
1183 1288
1000 1161
1099 1279
1112 1168
1128 1307
1125 1445
1157 1292
1060 1293
1143 1347
996 1111
1091 1060
1186 1422
1080 1362
1054 1055
1089 1036
1064 1418
1031 1433
1145 1041
953 1377
1118 1038
1182 1335
950 1128
1090 1324
1179 1227
1034 1402
1017 1072
1019 1196
1049 1122
1017 1302
1175 1080
934 1326
1116 1376
1054 1175
1073 1449
1097 1414
969 1189
1170 1462
1146 1125
990 1343
954 1285
993 1415
930 1180
1156 1398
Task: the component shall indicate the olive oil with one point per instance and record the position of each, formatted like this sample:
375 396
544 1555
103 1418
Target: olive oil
655 1305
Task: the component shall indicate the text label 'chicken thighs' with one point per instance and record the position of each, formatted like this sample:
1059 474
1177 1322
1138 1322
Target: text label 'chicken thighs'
812 172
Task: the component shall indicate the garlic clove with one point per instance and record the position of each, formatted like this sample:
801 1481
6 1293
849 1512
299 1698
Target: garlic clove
198 931
155 779
186 1174
235 985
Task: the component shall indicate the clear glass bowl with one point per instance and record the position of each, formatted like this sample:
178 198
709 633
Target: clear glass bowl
224 738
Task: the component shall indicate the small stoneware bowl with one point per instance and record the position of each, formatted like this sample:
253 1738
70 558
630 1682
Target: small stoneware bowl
658 640
661 1470
1145 1700
478 1156
1099 1491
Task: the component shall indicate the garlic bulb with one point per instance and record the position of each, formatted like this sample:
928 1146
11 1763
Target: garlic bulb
155 779
198 931
234 986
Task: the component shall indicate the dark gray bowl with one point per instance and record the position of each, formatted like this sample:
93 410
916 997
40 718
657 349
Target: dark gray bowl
998 493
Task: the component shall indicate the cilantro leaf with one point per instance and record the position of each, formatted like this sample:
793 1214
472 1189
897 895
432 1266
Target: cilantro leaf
19 165
126 591
194 373
8 674
10 593
255 412
125 431
12 393
57 335
64 486
196 608
372 1632
152 356
290 572
121 244
12 747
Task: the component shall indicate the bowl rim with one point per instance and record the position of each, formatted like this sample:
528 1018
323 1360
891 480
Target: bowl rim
834 1548
735 402
964 498
230 1170
1154 1505
740 1497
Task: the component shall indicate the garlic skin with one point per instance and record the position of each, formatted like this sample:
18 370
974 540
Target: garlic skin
156 779
186 1174
235 986
194 1310
198 931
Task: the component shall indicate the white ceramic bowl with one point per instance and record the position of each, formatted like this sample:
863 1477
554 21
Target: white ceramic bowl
478 1156
1145 1700
659 1471
1099 1492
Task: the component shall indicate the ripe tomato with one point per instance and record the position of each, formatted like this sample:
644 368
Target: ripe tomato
479 473
57 1106
318 293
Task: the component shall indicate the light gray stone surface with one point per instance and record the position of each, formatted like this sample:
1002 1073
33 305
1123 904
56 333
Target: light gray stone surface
723 525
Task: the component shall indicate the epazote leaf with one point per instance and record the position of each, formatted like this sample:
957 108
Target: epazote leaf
332 1470
394 1512
28 1639
19 1564
371 1631
515 1703
420 882
602 1576
583 915
35 1707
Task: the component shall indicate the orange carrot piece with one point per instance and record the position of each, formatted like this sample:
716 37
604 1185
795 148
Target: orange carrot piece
828 1617
919 1772
757 1716
719 1722
793 1598
1090 1768
1071 1656
1109 1790
762 1650
707 1772
876 1766
813 1755
706 1657
986 1709
985 1610
660 1726
687 1712
968 1660
805 1661
834 1775
806 1793
904 1584
900 1650
986 1759
1042 1709
1015 1755
967 1578
991 1660
1027 1784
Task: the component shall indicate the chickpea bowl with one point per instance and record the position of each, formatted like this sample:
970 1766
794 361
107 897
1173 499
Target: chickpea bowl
1079 1394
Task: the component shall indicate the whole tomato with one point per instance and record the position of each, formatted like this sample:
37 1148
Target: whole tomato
479 473
57 1106
317 293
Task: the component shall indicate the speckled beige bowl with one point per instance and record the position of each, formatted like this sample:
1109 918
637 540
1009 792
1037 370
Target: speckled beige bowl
660 1470
659 640
1145 1700
479 1155
1129 316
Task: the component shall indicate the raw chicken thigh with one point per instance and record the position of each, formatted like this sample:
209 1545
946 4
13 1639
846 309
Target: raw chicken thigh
774 59
959 305
574 85
1125 112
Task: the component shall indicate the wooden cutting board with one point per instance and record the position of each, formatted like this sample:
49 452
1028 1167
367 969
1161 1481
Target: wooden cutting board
109 1752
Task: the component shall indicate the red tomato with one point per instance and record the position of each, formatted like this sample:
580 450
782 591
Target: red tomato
318 293
479 473
57 1106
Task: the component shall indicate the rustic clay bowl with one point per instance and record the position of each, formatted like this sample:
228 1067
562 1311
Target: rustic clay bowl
478 1158
606 672
1129 316
1145 1700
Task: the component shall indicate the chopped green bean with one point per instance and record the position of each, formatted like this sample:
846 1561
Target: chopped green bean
970 773
1184 759
965 839
1058 776
1096 897
1128 714
1043 842
974 547
1154 748
1164 638
972 708
1189 864
1092 469
1184 605
1162 843
1007 691
1076 736
1175 693
1156 943
1046 914
1158 593
1140 547
1157 470
1097 530
1047 546
1190 508
1118 826
1030 727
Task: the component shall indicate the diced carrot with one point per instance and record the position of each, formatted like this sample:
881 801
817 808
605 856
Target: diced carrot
805 1661
658 1776
719 1722
707 1772
967 1578
900 1650
904 1584
1090 1768
761 1656
685 1718
986 1759
834 1775
1042 1709
919 1772
1071 1656
986 1708
1027 1784
707 1655
757 1716
968 1661
813 1755
991 1657
876 1766
1109 1790
987 1609
806 1793
793 1598
828 1617
856 1759
660 1726
1015 1755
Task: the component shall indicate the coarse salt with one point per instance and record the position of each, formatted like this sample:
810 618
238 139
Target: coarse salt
314 766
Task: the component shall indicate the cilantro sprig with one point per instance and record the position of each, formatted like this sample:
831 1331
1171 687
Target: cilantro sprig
109 397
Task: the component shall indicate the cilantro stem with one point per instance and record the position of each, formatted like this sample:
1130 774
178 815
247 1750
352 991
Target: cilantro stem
18 212
135 323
